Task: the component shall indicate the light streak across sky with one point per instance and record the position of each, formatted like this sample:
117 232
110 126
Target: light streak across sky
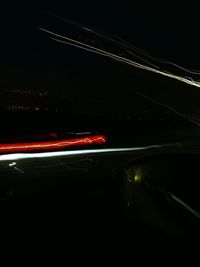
145 61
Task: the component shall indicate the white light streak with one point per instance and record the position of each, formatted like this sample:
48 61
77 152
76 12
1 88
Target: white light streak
12 164
93 49
186 206
19 156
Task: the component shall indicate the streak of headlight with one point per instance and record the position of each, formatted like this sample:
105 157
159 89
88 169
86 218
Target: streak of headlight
73 153
178 200
129 62
129 48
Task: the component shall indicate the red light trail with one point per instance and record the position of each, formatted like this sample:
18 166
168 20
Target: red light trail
52 145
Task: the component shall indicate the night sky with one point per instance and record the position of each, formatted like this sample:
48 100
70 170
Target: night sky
165 30
30 60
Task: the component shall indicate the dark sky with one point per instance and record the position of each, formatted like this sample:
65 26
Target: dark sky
164 30
30 60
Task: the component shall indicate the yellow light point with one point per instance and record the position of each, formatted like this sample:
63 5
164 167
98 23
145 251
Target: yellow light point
137 178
